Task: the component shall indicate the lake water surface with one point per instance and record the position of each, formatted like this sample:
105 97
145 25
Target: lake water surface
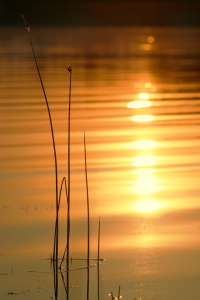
136 95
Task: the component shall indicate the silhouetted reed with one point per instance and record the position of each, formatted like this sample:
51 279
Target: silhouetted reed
55 250
118 296
54 258
98 256
63 182
119 293
88 222
69 166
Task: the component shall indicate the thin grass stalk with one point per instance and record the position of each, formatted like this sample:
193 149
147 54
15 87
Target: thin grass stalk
88 221
112 296
119 293
55 279
59 200
55 253
63 181
63 258
63 280
69 189
98 254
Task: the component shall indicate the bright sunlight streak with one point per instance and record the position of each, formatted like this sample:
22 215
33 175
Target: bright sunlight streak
146 184
144 161
143 96
147 205
144 171
142 118
144 144
139 104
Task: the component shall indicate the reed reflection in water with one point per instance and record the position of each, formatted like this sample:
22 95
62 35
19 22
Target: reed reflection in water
138 102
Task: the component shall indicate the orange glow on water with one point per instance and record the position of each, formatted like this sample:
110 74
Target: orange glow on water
143 177
147 85
150 39
146 47
139 104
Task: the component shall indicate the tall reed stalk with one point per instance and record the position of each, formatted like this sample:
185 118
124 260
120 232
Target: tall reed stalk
119 293
58 197
55 251
98 254
88 222
69 189
55 273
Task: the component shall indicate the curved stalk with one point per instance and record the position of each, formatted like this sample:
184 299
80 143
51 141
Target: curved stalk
55 253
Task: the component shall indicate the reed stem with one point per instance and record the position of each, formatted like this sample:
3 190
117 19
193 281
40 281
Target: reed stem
119 293
69 189
55 251
88 222
98 254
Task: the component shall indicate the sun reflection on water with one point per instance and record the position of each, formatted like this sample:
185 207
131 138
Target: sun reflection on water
138 104
146 47
146 184
144 171
142 118
148 85
143 96
150 39
144 160
147 205
144 144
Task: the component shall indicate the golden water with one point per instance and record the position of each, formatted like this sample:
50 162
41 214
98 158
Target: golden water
136 95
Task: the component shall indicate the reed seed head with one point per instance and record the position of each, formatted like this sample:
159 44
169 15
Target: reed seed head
69 68
27 25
